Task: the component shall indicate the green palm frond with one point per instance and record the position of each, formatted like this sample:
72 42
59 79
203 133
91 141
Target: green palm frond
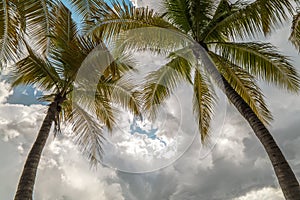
121 17
9 38
122 93
262 60
156 39
37 19
122 62
96 60
273 12
104 111
161 83
295 34
34 69
65 52
201 15
64 27
179 14
204 100
208 34
87 131
103 101
246 19
96 103
84 8
245 85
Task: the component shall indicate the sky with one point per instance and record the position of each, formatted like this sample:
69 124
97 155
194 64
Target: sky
172 165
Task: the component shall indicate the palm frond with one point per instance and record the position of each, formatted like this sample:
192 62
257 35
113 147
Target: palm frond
34 69
155 39
121 92
295 34
94 101
88 56
204 100
223 10
37 19
64 27
87 132
262 60
65 52
96 61
245 85
161 83
178 13
84 8
105 111
9 38
201 15
120 17
104 99
244 19
122 62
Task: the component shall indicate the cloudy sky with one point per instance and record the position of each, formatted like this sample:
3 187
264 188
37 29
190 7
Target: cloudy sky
172 165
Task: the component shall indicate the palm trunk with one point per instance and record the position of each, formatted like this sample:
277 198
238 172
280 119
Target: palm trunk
285 175
27 180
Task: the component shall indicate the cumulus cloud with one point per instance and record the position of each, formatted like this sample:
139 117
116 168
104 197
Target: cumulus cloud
4 91
263 194
235 167
63 172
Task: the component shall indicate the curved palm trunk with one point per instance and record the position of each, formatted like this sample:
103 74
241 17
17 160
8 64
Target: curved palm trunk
27 180
286 177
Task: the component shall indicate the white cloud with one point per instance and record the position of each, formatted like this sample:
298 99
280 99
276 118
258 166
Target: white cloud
263 194
4 91
63 173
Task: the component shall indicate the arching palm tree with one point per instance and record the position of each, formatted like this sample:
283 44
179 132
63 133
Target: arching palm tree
218 28
55 72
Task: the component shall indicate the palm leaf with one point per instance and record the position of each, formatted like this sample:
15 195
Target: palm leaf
121 92
87 132
161 83
122 62
37 18
93 101
65 52
34 69
244 19
201 15
223 10
262 60
245 85
295 34
84 8
204 100
179 14
120 17
9 38
155 39
103 100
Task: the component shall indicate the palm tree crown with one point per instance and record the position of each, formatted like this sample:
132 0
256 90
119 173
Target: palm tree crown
56 73
60 62
221 29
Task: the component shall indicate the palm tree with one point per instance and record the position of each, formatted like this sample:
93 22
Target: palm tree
220 30
90 113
